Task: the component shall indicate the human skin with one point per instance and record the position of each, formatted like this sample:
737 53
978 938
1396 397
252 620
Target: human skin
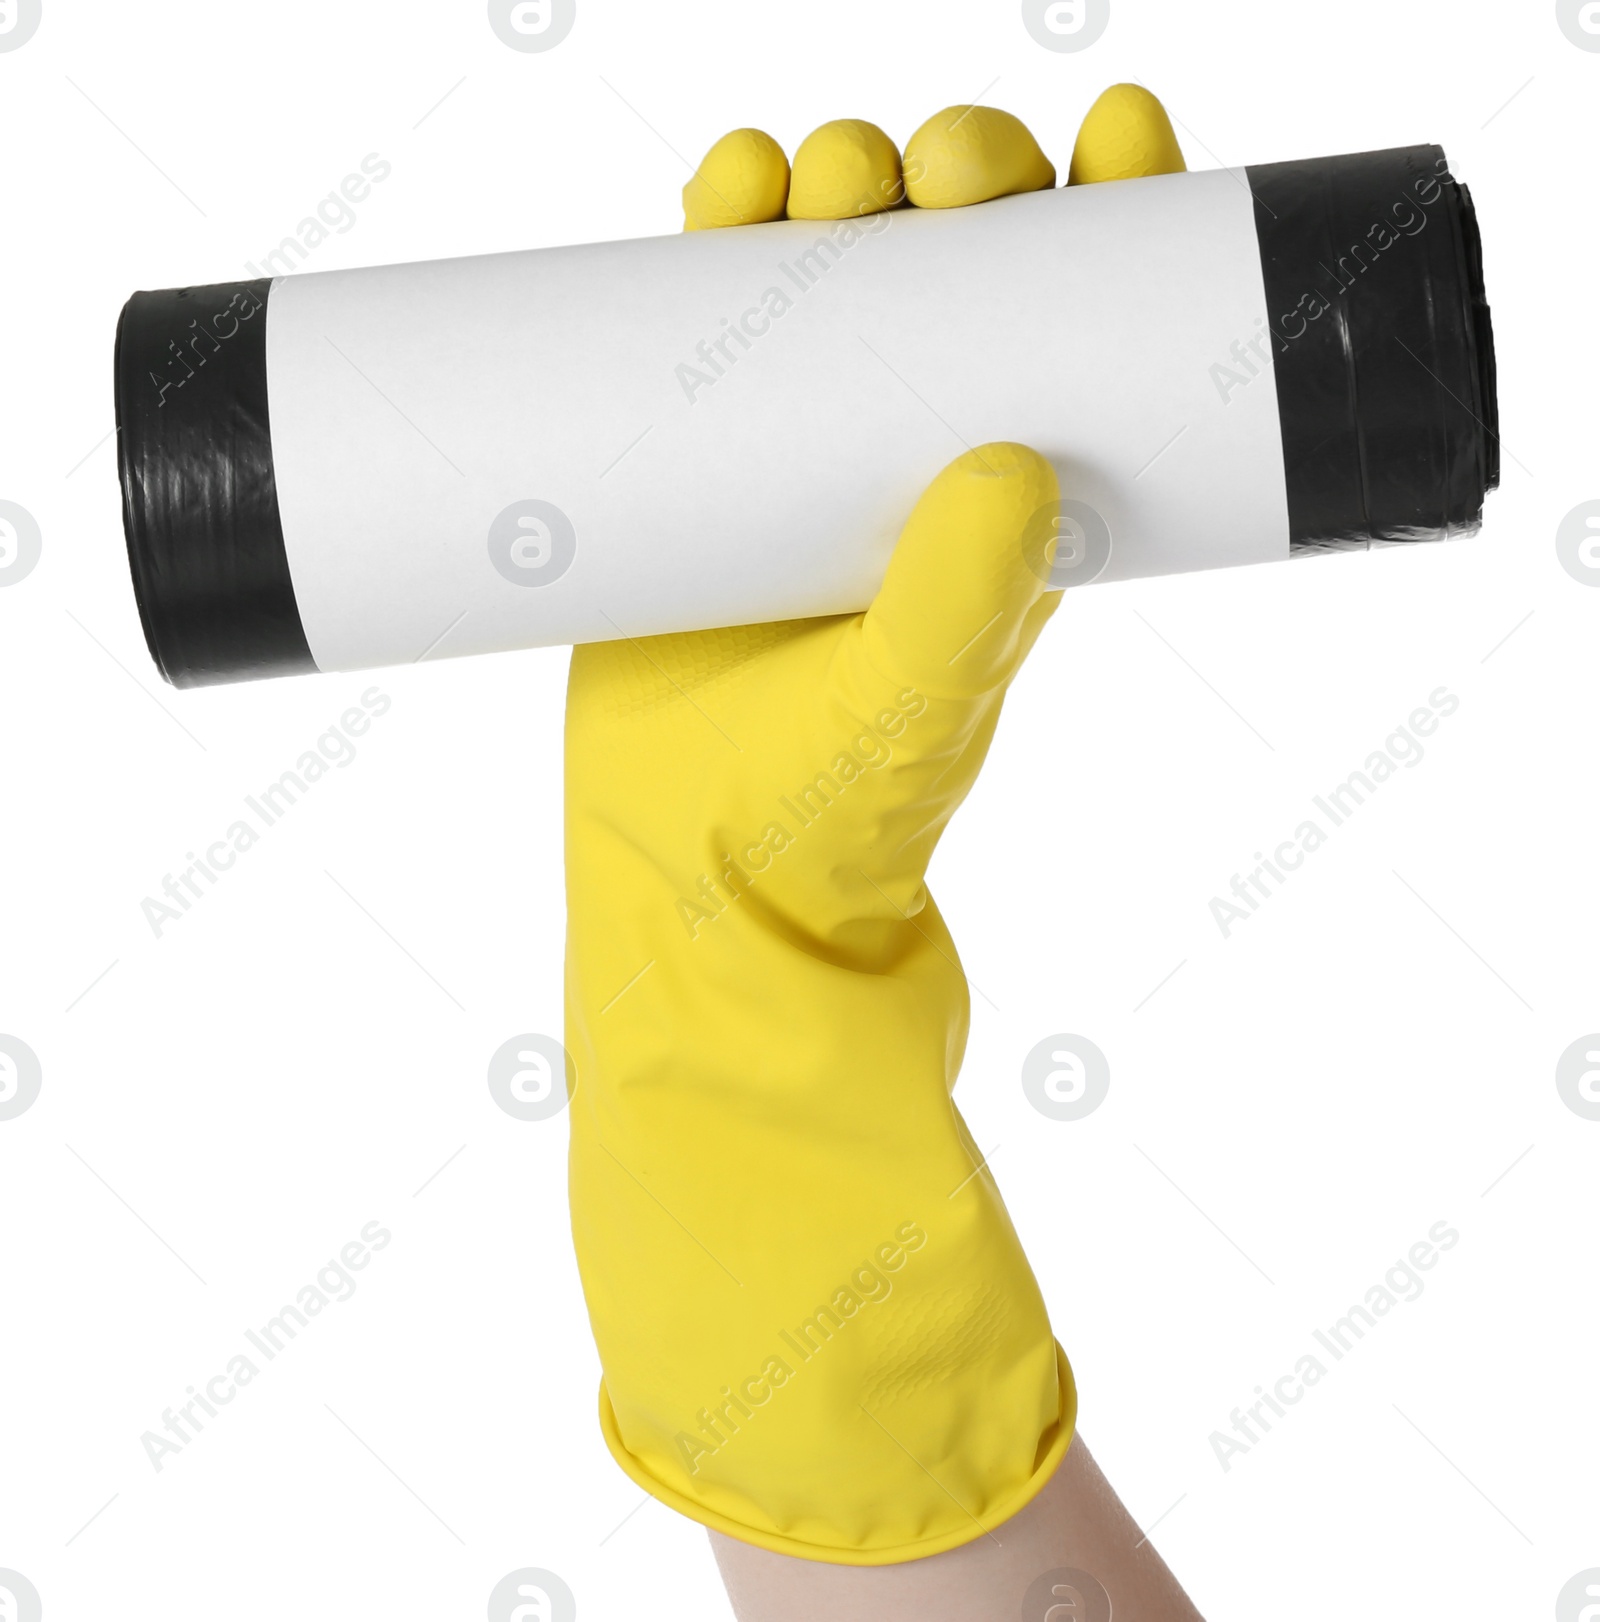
1077 1522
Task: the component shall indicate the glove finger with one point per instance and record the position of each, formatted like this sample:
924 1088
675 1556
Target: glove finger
952 614
845 168
742 180
969 154
1125 134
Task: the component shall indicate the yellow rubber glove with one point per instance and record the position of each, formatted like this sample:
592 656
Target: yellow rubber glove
818 1329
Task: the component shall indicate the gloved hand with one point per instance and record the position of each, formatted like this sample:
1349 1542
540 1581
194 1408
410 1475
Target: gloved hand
818 1329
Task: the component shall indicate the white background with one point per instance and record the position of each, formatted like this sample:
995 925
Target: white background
303 1051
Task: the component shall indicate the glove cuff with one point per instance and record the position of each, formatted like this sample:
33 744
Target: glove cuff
1052 1449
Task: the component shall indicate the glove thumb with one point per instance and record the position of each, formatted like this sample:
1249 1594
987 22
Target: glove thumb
965 594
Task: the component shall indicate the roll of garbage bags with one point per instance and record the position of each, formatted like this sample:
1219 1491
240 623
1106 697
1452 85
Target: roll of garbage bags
359 468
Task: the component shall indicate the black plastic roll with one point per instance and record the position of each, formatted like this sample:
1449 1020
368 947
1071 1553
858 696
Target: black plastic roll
603 401
199 499
1383 349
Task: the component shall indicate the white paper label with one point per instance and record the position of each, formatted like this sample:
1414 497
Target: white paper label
573 444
